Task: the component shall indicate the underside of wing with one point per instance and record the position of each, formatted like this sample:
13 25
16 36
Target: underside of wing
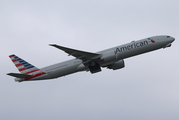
84 56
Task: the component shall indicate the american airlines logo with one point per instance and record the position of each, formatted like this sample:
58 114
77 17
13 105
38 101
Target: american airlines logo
131 46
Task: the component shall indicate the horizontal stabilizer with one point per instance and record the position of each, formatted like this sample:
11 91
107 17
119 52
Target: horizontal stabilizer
18 75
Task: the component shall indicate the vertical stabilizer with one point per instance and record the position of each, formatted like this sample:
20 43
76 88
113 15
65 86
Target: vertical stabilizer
23 66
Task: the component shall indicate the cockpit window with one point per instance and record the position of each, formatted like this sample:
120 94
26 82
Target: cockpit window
168 36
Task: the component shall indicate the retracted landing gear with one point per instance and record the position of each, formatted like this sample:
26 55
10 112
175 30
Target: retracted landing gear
94 67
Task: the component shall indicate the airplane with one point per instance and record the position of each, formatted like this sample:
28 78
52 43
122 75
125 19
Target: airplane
112 58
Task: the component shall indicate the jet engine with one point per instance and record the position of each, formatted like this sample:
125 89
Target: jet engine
117 65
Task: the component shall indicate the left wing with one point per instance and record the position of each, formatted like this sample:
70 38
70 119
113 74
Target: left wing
84 56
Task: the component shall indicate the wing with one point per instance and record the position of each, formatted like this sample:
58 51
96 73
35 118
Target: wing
84 56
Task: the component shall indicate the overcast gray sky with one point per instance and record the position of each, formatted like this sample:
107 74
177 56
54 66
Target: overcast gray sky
146 89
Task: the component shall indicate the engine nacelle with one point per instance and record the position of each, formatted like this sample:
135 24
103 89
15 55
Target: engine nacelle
109 57
117 65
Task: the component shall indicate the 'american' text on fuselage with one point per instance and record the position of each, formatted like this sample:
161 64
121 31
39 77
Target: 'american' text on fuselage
131 46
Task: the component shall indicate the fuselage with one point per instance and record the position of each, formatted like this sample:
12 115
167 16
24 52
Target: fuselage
119 53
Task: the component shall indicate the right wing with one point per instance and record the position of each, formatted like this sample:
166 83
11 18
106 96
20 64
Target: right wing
84 56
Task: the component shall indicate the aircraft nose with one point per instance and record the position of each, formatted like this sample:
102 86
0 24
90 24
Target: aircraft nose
171 39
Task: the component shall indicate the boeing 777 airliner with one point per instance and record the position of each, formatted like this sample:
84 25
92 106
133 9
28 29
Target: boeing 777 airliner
86 61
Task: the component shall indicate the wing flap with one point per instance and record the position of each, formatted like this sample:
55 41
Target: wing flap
83 55
18 75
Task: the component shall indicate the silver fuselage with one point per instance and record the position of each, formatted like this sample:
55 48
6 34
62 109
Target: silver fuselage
123 51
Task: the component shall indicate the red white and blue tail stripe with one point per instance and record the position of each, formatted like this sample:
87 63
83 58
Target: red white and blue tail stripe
27 70
23 66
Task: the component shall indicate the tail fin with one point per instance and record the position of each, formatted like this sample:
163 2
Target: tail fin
23 66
